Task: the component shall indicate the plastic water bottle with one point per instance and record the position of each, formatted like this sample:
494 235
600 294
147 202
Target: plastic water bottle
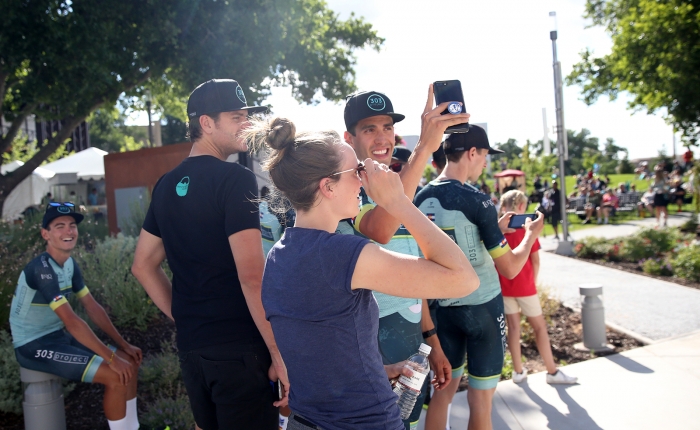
407 388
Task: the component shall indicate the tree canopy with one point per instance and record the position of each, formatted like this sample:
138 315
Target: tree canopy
655 58
63 60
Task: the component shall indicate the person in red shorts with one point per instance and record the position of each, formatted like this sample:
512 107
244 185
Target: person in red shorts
520 294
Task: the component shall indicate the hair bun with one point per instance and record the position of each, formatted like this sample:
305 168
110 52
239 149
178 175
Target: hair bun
281 134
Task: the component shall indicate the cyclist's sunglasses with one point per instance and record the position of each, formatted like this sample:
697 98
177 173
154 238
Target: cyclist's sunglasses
65 207
396 167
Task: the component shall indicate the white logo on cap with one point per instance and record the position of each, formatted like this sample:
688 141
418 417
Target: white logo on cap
454 108
376 102
239 93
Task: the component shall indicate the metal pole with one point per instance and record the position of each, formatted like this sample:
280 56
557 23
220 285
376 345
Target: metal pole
565 247
150 126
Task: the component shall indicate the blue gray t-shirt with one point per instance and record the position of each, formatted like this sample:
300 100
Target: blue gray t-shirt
327 332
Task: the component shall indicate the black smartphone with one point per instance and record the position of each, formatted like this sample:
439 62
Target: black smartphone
451 91
518 221
279 390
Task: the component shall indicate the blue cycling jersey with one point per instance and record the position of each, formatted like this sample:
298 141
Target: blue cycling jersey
469 217
42 287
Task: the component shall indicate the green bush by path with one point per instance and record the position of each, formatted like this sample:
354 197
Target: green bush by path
10 385
686 263
107 273
165 411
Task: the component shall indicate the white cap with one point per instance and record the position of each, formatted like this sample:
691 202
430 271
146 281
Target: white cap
425 349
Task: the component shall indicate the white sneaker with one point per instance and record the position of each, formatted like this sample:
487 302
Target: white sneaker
519 377
561 378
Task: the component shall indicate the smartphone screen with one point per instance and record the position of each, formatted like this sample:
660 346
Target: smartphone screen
450 91
518 221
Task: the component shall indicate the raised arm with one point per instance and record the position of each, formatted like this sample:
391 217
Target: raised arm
149 255
445 271
246 246
378 224
511 263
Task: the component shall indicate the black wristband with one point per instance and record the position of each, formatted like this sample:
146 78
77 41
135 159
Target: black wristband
431 332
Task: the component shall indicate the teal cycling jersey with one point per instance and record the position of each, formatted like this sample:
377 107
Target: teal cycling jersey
402 242
469 217
271 228
42 287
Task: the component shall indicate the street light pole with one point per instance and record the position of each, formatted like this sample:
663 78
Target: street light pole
150 125
565 246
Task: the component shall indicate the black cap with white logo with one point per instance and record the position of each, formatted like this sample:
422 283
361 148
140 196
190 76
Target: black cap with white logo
367 104
57 210
219 95
476 138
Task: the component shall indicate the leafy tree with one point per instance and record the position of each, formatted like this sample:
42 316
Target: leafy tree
109 133
655 58
174 131
63 60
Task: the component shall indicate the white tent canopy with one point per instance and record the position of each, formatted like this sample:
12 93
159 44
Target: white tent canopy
29 192
87 164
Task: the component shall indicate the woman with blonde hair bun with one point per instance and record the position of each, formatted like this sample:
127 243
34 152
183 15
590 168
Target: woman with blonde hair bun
317 285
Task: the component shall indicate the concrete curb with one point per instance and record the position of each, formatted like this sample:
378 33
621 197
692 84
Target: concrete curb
636 336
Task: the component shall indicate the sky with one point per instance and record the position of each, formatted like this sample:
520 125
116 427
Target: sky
501 52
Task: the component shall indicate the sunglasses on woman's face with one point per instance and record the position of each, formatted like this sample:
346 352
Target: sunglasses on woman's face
360 167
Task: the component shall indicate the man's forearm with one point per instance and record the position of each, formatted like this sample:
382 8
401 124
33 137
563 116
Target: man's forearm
98 315
158 288
253 298
378 224
83 334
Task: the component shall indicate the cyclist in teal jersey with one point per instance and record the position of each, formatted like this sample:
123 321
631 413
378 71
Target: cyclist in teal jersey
49 337
403 323
473 325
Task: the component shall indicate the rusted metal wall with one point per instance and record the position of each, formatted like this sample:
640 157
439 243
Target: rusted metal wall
140 168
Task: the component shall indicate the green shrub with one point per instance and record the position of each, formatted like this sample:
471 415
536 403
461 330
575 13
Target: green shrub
686 263
107 272
165 411
635 249
657 266
10 385
659 240
160 375
597 247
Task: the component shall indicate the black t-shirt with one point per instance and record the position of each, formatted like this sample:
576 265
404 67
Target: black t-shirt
556 203
194 209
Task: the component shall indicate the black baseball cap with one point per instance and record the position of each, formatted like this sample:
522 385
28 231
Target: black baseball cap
219 95
401 153
476 138
57 210
366 104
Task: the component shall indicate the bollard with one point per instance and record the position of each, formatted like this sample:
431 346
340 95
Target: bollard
593 319
43 401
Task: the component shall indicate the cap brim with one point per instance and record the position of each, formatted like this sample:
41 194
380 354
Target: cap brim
494 151
78 217
397 117
256 109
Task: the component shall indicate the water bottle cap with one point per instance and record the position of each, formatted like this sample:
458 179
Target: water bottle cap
425 349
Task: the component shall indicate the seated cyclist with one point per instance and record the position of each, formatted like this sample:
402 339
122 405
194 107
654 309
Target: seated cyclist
49 337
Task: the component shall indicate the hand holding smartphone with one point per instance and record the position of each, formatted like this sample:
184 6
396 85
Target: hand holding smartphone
518 221
451 91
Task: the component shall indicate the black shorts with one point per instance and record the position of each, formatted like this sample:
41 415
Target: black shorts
555 217
478 331
58 353
229 388
660 200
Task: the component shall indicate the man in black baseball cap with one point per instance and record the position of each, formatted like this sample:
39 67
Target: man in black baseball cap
204 219
476 138
369 122
55 210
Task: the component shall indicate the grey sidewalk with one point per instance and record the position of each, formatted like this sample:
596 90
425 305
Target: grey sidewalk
655 387
649 307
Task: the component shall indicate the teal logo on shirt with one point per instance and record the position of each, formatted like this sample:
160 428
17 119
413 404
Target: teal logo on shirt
182 186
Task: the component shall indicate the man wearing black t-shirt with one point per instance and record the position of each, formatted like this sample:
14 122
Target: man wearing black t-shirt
204 219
